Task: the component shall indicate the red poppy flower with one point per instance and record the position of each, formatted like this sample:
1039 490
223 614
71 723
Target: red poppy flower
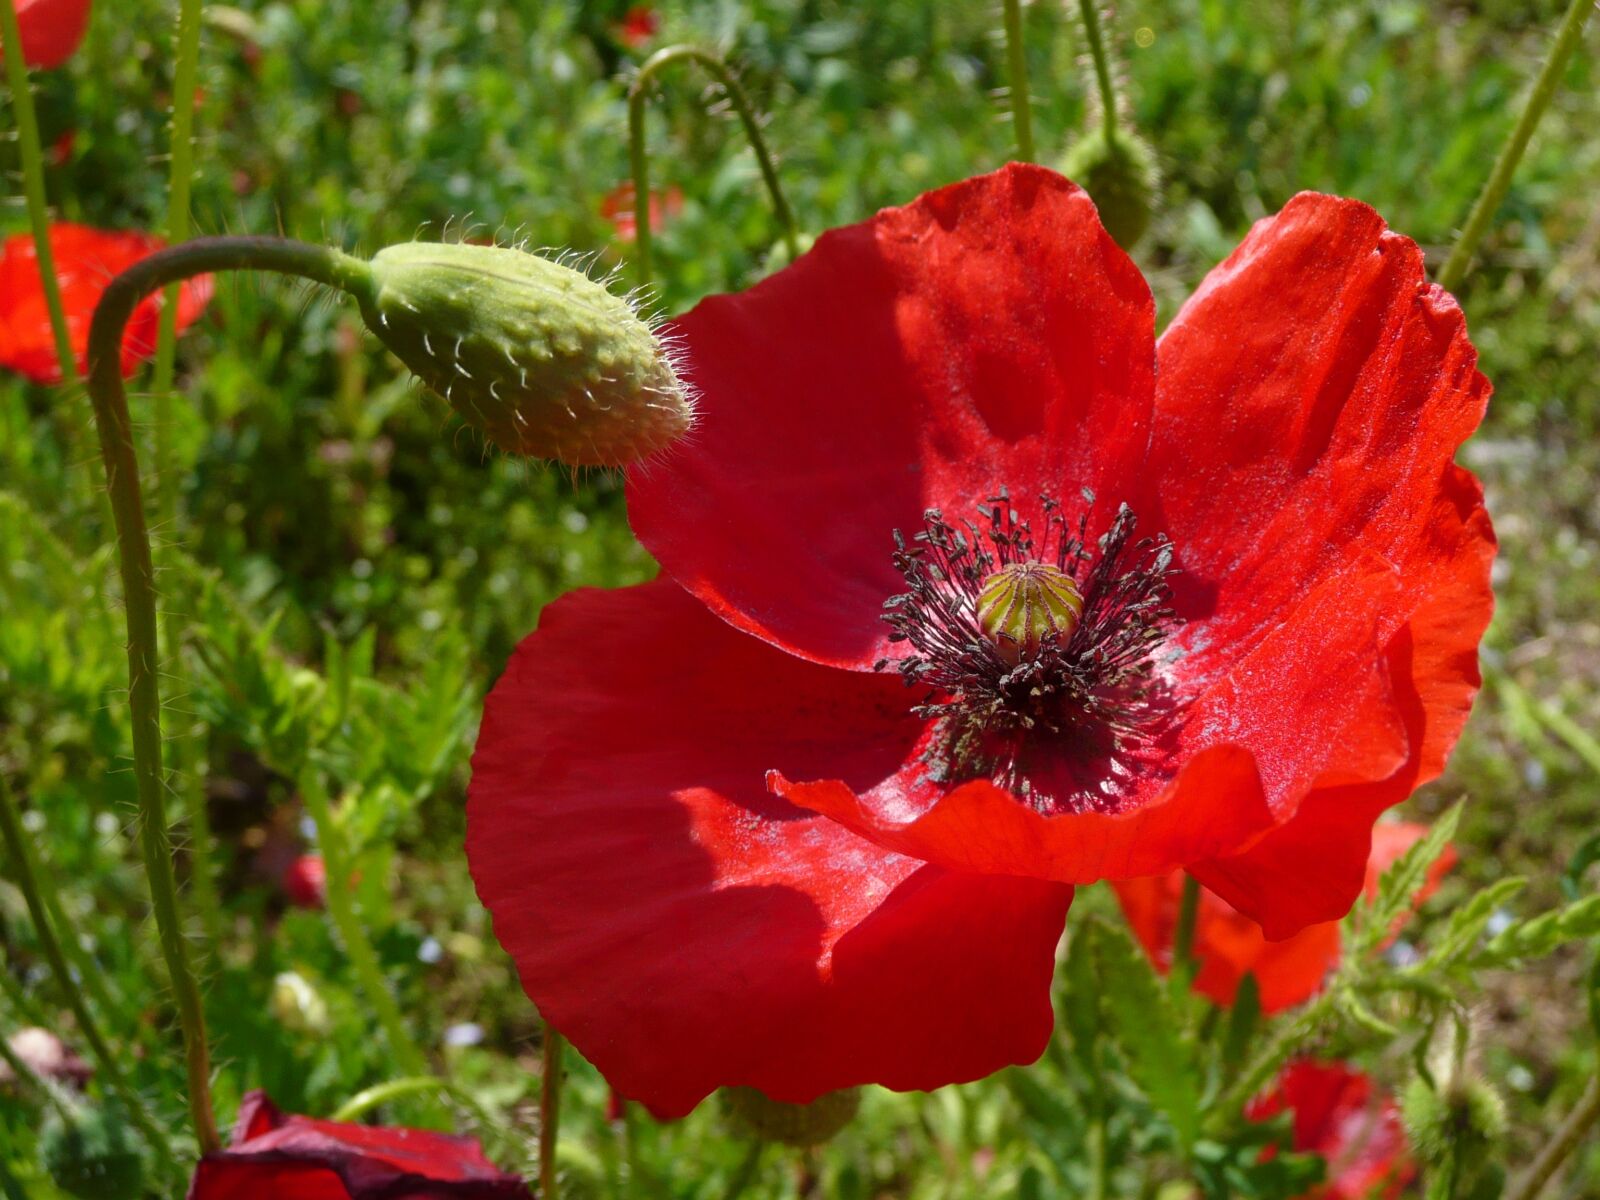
305 881
274 1155
1342 1116
935 451
86 260
638 26
1228 945
51 30
617 206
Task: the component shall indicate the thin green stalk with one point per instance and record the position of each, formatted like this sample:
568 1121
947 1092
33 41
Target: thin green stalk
357 946
1017 66
25 1005
746 1172
1568 37
27 882
549 1109
1183 936
639 93
185 773
1560 1146
120 456
396 1089
32 155
1089 12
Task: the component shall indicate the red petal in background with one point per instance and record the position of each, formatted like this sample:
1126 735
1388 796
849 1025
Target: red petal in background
51 30
1340 1114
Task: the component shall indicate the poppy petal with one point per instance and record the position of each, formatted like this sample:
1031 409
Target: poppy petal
685 929
51 30
988 335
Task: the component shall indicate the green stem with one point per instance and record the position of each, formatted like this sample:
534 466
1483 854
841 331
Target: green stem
357 946
746 1172
1495 187
1560 1146
1017 65
1183 937
638 94
121 460
27 882
32 155
185 767
1089 12
549 1110
395 1089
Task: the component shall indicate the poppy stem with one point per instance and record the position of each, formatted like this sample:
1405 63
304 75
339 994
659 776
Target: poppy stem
32 156
357 946
1568 38
187 780
394 1089
1089 13
1183 937
1561 1144
1017 66
639 93
549 1109
106 391
26 878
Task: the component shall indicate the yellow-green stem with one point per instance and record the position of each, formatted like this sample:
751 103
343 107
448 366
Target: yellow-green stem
413 1085
549 1109
357 946
27 882
1089 11
1562 1143
32 155
1567 39
186 775
638 94
1017 65
121 460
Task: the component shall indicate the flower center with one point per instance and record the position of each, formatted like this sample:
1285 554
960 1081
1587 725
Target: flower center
1036 654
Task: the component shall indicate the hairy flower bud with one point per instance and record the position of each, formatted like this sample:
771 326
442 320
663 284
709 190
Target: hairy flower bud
1120 176
92 1154
1456 1127
792 1124
1025 604
538 356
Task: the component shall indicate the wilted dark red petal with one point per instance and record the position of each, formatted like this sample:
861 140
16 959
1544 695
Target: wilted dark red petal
1346 383
685 929
1238 752
988 335
51 30
85 260
272 1155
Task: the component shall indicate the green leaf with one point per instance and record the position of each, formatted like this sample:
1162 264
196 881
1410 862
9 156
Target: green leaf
1147 1030
1582 859
1467 923
1540 935
1244 1018
1399 884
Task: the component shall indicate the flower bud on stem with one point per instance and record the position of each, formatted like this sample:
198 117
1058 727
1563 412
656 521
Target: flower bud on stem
639 93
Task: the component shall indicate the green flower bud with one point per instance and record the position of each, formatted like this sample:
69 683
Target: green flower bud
94 1155
1455 1128
792 1124
1025 604
1121 178
539 357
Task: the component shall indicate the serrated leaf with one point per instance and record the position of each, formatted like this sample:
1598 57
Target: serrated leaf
1583 858
1467 924
1244 1018
1399 884
1540 935
1080 1003
1146 1029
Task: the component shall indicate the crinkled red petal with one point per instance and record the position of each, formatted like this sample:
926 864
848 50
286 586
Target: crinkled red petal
988 335
85 261
685 929
272 1155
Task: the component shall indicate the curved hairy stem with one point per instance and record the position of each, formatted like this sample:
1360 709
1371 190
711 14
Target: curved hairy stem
117 449
1089 11
1568 37
1017 67
1560 1146
638 94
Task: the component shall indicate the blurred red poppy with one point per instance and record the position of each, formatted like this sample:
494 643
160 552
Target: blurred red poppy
936 451
86 260
273 1155
617 206
639 26
305 881
1341 1115
51 30
1228 945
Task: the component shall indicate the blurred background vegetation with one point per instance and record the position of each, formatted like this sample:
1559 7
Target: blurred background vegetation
390 563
